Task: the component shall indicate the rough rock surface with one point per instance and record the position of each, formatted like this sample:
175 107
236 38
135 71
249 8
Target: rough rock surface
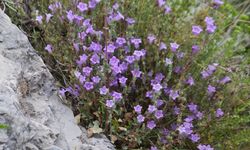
29 105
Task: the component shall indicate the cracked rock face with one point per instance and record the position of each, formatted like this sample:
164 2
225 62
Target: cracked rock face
29 104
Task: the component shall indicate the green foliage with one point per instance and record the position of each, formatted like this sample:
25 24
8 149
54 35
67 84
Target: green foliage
4 126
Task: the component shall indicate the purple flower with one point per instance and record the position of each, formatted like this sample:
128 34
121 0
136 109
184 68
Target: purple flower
62 92
211 28
84 48
130 21
86 23
204 147
92 4
48 16
39 19
151 108
174 46
205 74
168 61
167 90
95 47
120 41
77 74
123 66
225 80
165 132
173 126
153 148
76 46
158 114
163 140
177 69
130 59
180 55
199 115
82 35
58 5
192 107
176 110
190 81
115 6
151 124
95 59
189 119
123 80
218 3
48 48
157 87
174 94
96 79
87 70
114 61
212 68
163 46
211 89
111 48
90 30
159 102
116 69
82 7
136 42
136 73
51 7
149 94
196 30
185 128
126 49
83 59
118 16
70 16
161 2
117 96
138 54
82 79
219 113
69 89
194 137
209 71
151 38
209 20
159 77
138 108
104 90
110 103
167 9
140 118
88 85
78 19
113 82
195 49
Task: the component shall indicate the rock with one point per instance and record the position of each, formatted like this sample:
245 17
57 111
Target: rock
29 102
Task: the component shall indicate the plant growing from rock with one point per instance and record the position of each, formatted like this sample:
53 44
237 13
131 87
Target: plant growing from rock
148 78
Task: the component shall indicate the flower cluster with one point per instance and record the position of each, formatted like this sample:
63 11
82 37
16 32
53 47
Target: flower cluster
127 76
